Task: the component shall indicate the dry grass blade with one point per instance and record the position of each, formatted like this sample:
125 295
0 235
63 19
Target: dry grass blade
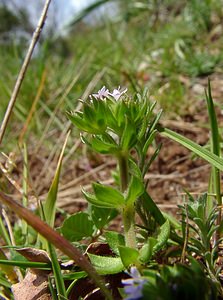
45 173
67 89
32 110
23 69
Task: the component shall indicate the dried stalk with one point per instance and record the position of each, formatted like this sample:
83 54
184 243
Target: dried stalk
23 69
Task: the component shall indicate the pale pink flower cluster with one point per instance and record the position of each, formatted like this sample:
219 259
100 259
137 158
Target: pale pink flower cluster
104 93
101 94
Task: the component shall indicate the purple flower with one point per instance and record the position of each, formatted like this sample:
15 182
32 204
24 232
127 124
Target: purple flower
102 93
117 93
133 286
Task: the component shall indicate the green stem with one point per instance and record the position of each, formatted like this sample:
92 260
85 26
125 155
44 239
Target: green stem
128 213
128 216
124 171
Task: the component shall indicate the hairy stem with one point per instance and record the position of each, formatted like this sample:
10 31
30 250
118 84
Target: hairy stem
128 216
128 213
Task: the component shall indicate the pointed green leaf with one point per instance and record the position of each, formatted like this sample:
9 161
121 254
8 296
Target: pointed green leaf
173 221
150 206
77 227
93 200
49 206
213 122
91 119
103 147
129 137
102 216
106 265
78 121
163 236
115 239
89 114
149 142
129 256
120 111
134 169
135 189
200 223
155 121
146 251
108 195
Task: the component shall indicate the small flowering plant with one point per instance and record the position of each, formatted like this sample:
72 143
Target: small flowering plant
166 260
124 127
116 124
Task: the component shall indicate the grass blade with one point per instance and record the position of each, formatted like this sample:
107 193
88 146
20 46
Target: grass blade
61 291
152 208
26 264
84 12
213 159
49 212
7 269
4 233
49 206
215 143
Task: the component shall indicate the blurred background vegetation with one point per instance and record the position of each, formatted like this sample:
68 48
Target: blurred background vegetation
166 46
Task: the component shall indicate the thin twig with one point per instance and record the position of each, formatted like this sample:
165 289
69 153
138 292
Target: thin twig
186 238
33 107
23 69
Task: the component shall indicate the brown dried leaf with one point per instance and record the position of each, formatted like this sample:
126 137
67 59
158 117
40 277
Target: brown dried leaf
34 255
32 287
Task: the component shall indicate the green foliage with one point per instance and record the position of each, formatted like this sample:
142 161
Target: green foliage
163 236
77 227
147 250
106 264
115 240
202 223
199 13
102 216
135 190
129 256
181 282
105 196
199 63
8 20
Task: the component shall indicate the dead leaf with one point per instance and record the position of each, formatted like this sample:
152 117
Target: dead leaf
35 284
35 255
32 287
